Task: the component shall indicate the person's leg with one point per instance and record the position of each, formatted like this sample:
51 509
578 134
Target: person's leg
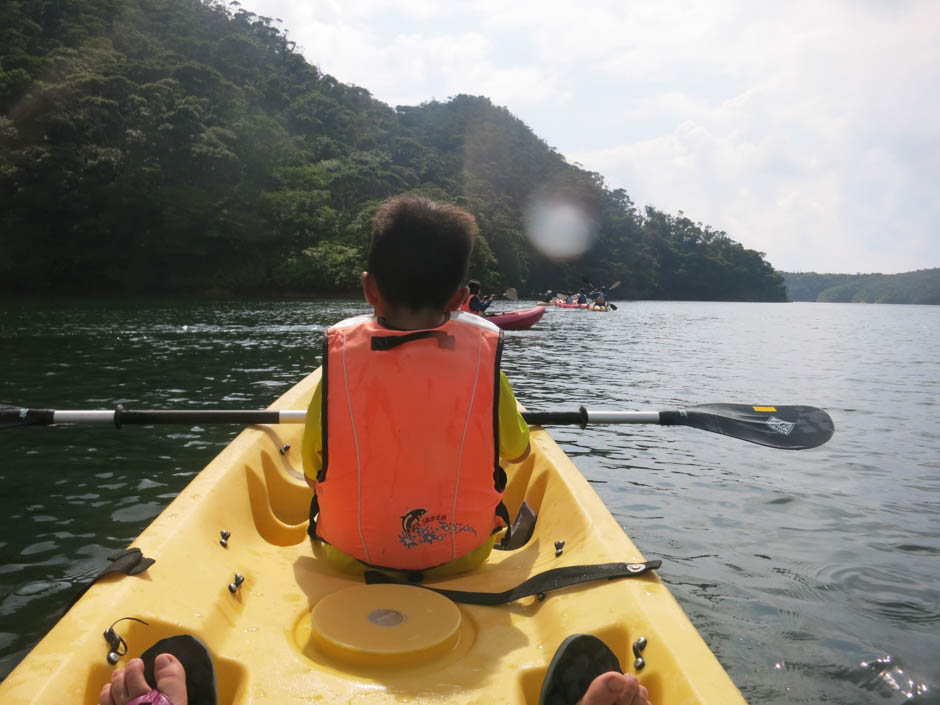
129 682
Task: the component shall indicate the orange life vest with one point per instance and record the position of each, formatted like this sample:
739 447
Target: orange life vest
465 306
411 476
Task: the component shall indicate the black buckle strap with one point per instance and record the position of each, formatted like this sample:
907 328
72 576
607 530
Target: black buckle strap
553 579
130 561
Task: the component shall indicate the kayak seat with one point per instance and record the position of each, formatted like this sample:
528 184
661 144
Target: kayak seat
289 497
268 524
524 484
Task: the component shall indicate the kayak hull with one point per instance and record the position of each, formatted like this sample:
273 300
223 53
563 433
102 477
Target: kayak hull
261 636
521 319
561 304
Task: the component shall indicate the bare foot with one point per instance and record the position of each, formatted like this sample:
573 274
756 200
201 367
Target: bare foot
614 688
129 683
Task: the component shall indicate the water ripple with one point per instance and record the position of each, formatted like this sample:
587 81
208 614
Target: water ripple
810 575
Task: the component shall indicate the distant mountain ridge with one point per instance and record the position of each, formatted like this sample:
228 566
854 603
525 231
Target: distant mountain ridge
919 287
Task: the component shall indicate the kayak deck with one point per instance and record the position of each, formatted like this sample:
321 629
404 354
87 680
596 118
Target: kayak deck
260 635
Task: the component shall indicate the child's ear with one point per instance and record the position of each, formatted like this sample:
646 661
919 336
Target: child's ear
370 288
458 298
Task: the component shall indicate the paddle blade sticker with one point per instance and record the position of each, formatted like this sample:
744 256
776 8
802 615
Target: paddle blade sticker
784 428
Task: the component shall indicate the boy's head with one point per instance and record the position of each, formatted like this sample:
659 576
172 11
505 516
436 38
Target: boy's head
474 286
420 251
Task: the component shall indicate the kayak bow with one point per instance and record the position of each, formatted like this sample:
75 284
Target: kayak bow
285 627
520 319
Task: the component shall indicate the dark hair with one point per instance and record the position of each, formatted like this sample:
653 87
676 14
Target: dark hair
474 286
420 251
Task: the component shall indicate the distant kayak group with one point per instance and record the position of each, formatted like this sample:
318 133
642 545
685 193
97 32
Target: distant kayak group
591 298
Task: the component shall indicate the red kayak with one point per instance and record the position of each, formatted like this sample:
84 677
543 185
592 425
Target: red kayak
518 320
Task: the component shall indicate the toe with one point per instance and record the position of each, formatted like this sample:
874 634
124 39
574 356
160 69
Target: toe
134 680
105 697
606 689
171 678
641 697
118 688
633 693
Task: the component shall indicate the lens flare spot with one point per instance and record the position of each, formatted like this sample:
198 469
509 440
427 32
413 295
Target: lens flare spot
560 230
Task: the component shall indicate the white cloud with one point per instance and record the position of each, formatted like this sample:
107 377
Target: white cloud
805 129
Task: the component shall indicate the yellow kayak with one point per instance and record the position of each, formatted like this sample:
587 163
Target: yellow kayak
295 630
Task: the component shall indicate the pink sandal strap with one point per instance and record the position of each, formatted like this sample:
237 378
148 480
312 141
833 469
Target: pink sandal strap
154 697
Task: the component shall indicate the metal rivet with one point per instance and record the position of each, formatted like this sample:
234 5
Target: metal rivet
541 596
638 646
223 543
113 657
225 534
285 448
559 547
239 579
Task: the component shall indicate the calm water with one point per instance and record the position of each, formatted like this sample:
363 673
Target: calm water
813 575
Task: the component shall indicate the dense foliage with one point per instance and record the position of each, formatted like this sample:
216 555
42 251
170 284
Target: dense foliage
179 145
920 287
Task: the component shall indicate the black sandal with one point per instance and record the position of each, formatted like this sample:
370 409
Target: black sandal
197 662
579 660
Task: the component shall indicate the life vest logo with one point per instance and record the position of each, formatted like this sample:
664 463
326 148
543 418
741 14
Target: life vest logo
784 428
418 527
409 520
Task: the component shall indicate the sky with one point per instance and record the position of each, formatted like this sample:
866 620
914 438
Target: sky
807 130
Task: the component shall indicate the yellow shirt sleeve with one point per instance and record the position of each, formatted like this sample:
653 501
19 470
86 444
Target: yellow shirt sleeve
312 447
513 430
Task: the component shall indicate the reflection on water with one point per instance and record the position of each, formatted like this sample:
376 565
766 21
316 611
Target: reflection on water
812 575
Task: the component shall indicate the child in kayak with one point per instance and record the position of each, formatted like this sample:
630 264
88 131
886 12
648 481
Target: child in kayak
405 432
475 303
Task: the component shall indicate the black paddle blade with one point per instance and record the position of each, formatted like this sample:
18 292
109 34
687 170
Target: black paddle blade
787 427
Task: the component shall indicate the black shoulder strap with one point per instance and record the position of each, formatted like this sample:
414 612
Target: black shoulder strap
445 340
553 579
314 515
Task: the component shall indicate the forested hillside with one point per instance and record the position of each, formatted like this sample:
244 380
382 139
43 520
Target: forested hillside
920 287
186 146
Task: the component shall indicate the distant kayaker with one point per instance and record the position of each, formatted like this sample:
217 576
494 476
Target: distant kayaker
582 297
474 303
404 452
